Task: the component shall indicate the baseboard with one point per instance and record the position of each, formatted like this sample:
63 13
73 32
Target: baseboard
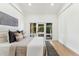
61 42
76 52
72 49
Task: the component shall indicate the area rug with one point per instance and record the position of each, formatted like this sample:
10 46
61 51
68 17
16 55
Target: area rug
50 49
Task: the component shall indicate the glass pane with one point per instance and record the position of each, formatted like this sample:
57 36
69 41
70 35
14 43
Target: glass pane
33 28
48 27
40 27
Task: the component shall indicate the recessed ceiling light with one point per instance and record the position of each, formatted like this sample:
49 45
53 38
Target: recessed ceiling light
29 4
52 4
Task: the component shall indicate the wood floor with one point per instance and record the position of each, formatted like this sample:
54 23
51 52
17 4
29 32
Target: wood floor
62 50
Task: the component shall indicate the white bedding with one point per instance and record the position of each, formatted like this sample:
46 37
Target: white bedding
35 47
4 49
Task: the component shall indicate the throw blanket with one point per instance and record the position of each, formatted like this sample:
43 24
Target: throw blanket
18 51
19 48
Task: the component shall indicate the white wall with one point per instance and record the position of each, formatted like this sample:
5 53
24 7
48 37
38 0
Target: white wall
8 9
69 27
42 18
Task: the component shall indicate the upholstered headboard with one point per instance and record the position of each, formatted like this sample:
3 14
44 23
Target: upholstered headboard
4 36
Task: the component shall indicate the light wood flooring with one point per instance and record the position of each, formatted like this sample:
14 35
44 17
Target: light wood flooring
62 50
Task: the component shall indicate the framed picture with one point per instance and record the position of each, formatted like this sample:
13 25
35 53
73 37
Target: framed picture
8 20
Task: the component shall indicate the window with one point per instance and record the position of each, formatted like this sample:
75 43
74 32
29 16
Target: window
33 28
41 30
40 27
48 27
48 31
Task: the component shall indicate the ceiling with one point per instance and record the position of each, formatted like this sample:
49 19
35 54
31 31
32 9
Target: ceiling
40 8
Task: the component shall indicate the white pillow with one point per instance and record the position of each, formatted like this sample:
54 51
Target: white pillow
19 36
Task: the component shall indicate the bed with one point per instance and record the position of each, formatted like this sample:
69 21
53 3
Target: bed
4 45
35 47
26 47
4 49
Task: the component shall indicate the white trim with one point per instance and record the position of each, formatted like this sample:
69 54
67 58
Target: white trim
72 49
61 42
64 8
69 47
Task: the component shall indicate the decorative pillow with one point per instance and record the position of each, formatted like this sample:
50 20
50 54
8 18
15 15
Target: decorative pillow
19 36
12 37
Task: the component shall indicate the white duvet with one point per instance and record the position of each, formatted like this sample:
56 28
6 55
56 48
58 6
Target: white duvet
35 47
